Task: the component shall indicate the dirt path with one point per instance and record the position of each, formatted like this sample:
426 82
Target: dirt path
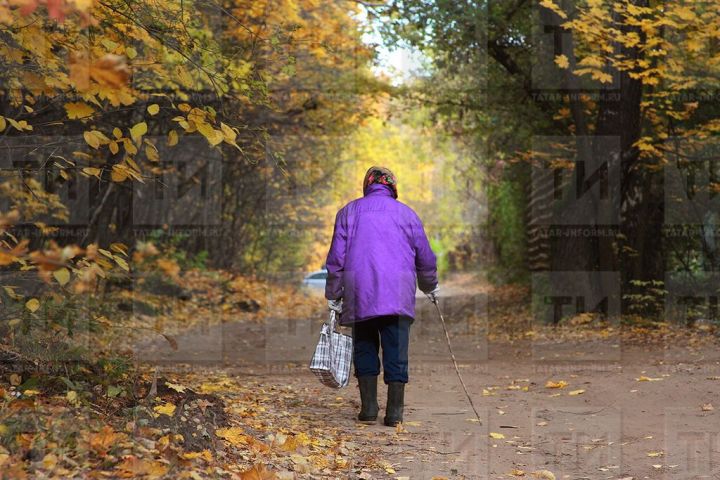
626 412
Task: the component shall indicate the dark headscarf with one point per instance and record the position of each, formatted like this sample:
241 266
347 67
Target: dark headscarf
383 176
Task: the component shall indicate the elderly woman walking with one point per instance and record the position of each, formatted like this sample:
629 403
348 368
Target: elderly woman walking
379 253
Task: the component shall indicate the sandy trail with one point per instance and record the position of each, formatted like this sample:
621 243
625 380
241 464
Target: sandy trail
628 411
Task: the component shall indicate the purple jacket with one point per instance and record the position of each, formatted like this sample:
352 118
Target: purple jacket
379 251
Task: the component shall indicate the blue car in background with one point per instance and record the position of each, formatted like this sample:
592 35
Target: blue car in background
316 279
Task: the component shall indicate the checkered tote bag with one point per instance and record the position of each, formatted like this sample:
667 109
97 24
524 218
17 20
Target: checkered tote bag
333 355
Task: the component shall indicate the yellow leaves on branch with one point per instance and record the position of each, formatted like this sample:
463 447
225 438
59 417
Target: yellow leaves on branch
9 256
57 9
78 110
54 257
214 137
562 61
108 71
201 121
138 130
172 138
151 151
95 138
682 12
92 171
19 125
550 5
595 74
646 147
108 77
8 219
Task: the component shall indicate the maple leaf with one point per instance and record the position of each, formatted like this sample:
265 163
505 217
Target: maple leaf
175 386
258 472
110 71
233 435
103 440
133 467
78 110
562 61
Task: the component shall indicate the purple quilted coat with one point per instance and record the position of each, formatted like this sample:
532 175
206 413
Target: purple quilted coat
379 253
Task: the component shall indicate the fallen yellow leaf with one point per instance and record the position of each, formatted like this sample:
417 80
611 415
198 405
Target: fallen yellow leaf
543 474
174 386
558 384
33 304
49 461
167 409
258 472
234 435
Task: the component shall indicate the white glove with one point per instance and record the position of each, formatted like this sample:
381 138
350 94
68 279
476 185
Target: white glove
336 305
433 295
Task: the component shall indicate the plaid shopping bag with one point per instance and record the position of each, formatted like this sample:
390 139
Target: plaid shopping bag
333 355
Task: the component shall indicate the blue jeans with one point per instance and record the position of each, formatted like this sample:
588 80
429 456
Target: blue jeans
393 333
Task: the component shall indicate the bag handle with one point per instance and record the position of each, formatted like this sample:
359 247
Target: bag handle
332 322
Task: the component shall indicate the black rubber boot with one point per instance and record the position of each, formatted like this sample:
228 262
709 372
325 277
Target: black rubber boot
395 403
368 397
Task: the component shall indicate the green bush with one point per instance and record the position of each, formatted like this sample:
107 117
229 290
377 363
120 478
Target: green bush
506 227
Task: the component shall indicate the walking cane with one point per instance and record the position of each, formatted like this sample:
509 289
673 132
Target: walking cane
457 370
